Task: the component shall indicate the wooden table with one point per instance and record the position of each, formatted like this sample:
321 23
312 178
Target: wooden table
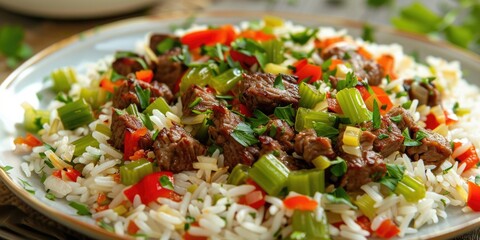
41 33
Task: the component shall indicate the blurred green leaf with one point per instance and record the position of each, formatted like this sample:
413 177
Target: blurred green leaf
367 33
11 38
408 25
459 35
378 3
417 18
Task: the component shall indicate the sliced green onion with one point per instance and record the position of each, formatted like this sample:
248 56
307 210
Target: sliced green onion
82 143
306 182
133 172
270 174
34 119
366 205
104 129
321 162
412 189
309 96
196 76
305 222
227 80
305 118
239 174
159 104
75 114
353 106
63 78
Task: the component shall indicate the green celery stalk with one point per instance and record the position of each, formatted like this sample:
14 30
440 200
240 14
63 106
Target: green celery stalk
104 129
63 78
82 143
317 181
353 105
133 172
96 97
305 118
304 221
309 96
196 76
227 80
306 182
75 114
159 104
274 50
412 189
366 205
239 174
34 119
270 174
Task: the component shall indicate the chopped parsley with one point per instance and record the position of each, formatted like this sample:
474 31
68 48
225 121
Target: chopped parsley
6 168
166 45
82 210
349 82
394 175
165 182
396 119
376 118
286 113
195 102
244 135
382 136
259 118
303 37
340 196
338 167
143 96
278 84
325 130
26 185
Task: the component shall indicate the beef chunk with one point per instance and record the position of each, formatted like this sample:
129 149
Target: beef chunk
126 65
426 93
258 92
282 132
125 94
193 92
405 118
175 150
363 68
434 148
123 123
361 169
156 39
269 145
309 145
388 137
224 122
166 70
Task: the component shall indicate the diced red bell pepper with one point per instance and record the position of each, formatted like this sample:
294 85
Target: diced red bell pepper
387 229
334 64
72 174
322 44
300 202
364 223
333 106
149 188
245 61
132 228
362 51
242 108
382 98
473 200
207 37
450 117
229 32
30 140
110 86
257 35
57 173
469 157
387 62
187 235
145 75
431 122
305 70
131 141
255 198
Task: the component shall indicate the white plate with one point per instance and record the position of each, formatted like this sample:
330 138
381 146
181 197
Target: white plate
92 45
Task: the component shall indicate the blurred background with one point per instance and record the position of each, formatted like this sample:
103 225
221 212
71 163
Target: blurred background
28 26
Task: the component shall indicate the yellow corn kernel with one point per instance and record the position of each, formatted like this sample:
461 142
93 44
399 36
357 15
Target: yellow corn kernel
351 137
321 162
120 209
272 21
276 69
192 188
462 111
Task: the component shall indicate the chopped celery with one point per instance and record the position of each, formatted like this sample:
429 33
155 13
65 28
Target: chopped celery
305 118
226 81
34 119
276 69
63 79
96 97
351 136
366 205
321 162
196 76
309 96
159 104
75 114
82 143
104 129
306 222
353 105
133 172
412 189
270 174
306 182
239 174
274 51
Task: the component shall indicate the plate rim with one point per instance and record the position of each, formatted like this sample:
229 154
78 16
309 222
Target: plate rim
95 231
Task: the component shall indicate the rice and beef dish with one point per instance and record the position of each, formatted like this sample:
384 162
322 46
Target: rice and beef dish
265 130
